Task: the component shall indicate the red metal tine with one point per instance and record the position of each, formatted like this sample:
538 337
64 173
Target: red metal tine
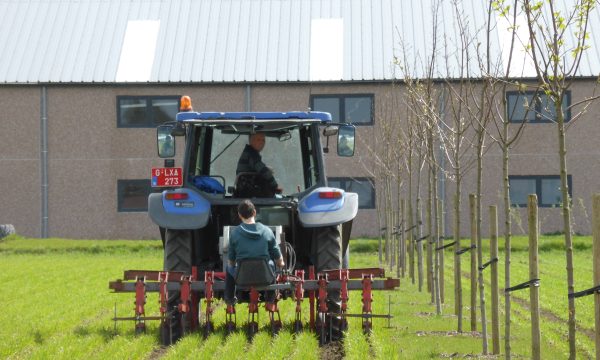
195 302
322 292
311 297
164 292
140 301
140 296
367 300
253 308
209 294
185 294
299 296
344 296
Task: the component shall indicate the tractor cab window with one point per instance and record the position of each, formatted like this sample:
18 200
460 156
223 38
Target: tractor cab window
218 151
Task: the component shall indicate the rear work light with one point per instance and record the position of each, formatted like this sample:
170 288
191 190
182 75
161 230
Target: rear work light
330 195
176 196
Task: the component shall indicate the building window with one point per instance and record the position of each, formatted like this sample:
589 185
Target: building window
146 111
546 187
362 186
354 109
133 195
535 107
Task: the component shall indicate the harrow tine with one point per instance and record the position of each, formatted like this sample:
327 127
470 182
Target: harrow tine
209 294
230 319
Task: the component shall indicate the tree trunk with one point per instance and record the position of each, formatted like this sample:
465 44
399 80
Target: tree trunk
411 248
419 244
484 335
401 270
507 248
419 226
473 216
568 228
494 280
388 220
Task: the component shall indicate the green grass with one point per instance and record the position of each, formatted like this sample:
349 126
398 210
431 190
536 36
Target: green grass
56 304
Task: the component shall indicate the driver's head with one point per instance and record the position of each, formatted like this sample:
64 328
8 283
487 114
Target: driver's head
246 209
257 141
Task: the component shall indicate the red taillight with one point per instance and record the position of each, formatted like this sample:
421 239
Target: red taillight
176 196
330 195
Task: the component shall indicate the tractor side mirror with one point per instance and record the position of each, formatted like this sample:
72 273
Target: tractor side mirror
165 141
345 140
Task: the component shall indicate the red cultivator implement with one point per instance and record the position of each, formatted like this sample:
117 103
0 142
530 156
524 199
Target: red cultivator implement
325 320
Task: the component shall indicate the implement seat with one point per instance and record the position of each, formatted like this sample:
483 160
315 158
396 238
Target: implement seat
254 272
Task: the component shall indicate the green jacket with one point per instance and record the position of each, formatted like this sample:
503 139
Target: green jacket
253 241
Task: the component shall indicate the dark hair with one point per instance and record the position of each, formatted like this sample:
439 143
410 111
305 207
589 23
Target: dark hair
246 209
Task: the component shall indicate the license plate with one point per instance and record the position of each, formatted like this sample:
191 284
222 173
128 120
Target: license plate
167 177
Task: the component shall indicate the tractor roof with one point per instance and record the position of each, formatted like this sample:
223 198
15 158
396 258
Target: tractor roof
255 117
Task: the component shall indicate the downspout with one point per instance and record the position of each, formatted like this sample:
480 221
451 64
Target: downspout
248 98
44 159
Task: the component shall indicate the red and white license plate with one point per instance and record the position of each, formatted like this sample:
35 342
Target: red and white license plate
167 177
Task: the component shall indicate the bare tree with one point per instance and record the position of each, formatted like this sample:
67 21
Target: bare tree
424 100
557 42
506 137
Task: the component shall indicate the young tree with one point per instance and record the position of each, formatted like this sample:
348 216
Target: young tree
557 41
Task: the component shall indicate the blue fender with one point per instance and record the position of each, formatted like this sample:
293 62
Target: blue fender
316 210
191 212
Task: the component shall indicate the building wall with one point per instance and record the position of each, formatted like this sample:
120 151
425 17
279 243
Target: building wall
20 185
535 153
88 153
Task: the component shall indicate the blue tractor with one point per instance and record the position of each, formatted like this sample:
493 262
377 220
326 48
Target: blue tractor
198 204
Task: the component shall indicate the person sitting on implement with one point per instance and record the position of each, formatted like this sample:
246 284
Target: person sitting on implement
250 161
249 240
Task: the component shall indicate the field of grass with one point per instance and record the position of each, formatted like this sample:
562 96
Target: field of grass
56 304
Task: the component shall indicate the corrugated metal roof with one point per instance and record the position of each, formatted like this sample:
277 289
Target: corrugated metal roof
81 41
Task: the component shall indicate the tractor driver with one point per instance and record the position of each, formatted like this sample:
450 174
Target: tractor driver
251 161
250 239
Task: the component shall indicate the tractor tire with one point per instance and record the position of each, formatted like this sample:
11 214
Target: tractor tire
177 257
327 248
346 259
327 254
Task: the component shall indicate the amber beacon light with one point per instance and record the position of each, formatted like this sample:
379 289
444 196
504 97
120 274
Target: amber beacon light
186 103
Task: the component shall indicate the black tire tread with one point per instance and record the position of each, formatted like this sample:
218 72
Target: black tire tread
177 257
327 245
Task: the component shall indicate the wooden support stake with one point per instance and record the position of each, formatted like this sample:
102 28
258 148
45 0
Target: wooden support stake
473 216
494 280
429 261
402 243
596 237
410 242
534 291
440 217
457 266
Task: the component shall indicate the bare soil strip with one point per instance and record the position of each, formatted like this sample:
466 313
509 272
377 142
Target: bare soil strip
332 351
157 353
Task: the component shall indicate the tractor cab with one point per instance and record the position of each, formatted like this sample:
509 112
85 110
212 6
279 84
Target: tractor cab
293 150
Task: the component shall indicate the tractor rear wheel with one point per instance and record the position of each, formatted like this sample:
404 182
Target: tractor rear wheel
178 257
327 254
327 248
